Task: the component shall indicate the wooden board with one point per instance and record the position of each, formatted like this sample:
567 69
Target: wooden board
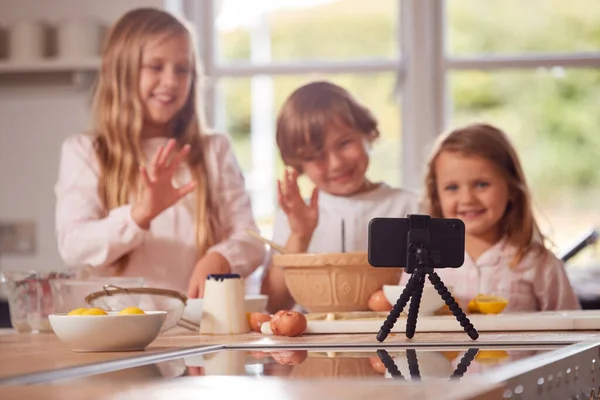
582 320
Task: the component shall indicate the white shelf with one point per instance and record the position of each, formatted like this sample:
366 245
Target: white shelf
49 66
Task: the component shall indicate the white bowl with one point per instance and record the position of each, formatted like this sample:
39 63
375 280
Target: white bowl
112 332
193 310
256 302
430 300
194 307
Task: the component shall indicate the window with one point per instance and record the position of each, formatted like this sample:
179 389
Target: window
529 67
551 116
532 69
522 27
256 53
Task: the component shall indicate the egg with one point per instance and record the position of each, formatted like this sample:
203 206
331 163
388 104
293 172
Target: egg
377 365
275 322
378 302
291 323
289 357
256 319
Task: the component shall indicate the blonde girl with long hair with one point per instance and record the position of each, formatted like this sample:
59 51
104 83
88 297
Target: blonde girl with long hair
474 174
149 192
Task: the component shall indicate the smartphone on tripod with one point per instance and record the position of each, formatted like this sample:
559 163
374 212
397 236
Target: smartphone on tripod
388 241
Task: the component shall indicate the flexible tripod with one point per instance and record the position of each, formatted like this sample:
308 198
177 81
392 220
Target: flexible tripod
419 265
413 364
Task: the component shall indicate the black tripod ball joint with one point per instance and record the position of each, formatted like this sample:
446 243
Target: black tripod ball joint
420 265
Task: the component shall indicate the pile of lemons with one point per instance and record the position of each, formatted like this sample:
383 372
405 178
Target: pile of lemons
99 311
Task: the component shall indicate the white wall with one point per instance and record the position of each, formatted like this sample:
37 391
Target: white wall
33 123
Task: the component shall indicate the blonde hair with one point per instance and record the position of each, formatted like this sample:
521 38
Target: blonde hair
309 111
518 222
119 117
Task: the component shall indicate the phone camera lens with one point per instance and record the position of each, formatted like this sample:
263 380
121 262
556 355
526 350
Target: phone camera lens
456 227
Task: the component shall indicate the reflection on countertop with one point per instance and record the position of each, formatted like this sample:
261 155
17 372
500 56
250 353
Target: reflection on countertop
358 363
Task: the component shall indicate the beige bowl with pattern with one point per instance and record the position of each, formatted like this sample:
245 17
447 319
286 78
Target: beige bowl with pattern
333 282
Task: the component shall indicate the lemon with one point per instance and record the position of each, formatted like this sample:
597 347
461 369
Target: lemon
94 311
472 306
490 304
491 356
131 310
77 311
450 355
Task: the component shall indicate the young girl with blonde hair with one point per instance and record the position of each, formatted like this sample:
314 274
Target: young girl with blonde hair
474 174
150 192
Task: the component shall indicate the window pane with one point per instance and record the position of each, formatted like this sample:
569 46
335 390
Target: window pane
247 123
283 30
552 116
517 26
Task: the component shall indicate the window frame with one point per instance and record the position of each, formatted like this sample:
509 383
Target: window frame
422 67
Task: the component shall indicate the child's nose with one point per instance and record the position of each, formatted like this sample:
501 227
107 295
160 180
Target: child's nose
169 78
466 196
334 160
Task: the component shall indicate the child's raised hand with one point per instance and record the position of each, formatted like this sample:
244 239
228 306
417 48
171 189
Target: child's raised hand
158 192
302 217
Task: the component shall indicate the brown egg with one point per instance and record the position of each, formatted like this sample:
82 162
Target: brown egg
275 322
256 319
291 323
289 357
377 365
378 302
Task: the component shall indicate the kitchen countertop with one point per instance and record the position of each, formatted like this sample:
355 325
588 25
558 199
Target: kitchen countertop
17 351
30 356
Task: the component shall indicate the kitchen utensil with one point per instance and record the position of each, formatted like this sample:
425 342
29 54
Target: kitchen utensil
26 41
192 315
114 298
332 282
69 294
79 39
273 245
30 298
576 320
224 311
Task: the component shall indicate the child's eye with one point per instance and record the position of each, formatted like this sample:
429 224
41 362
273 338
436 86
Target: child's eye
313 157
183 70
482 184
154 67
451 188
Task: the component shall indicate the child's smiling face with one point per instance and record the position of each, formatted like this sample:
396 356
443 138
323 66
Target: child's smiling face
474 190
165 77
340 167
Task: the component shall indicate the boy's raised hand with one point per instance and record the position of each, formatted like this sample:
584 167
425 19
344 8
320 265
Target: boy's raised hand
158 192
302 217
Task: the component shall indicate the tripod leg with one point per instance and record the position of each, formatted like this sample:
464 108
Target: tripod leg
398 307
389 363
453 305
413 364
413 310
464 363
